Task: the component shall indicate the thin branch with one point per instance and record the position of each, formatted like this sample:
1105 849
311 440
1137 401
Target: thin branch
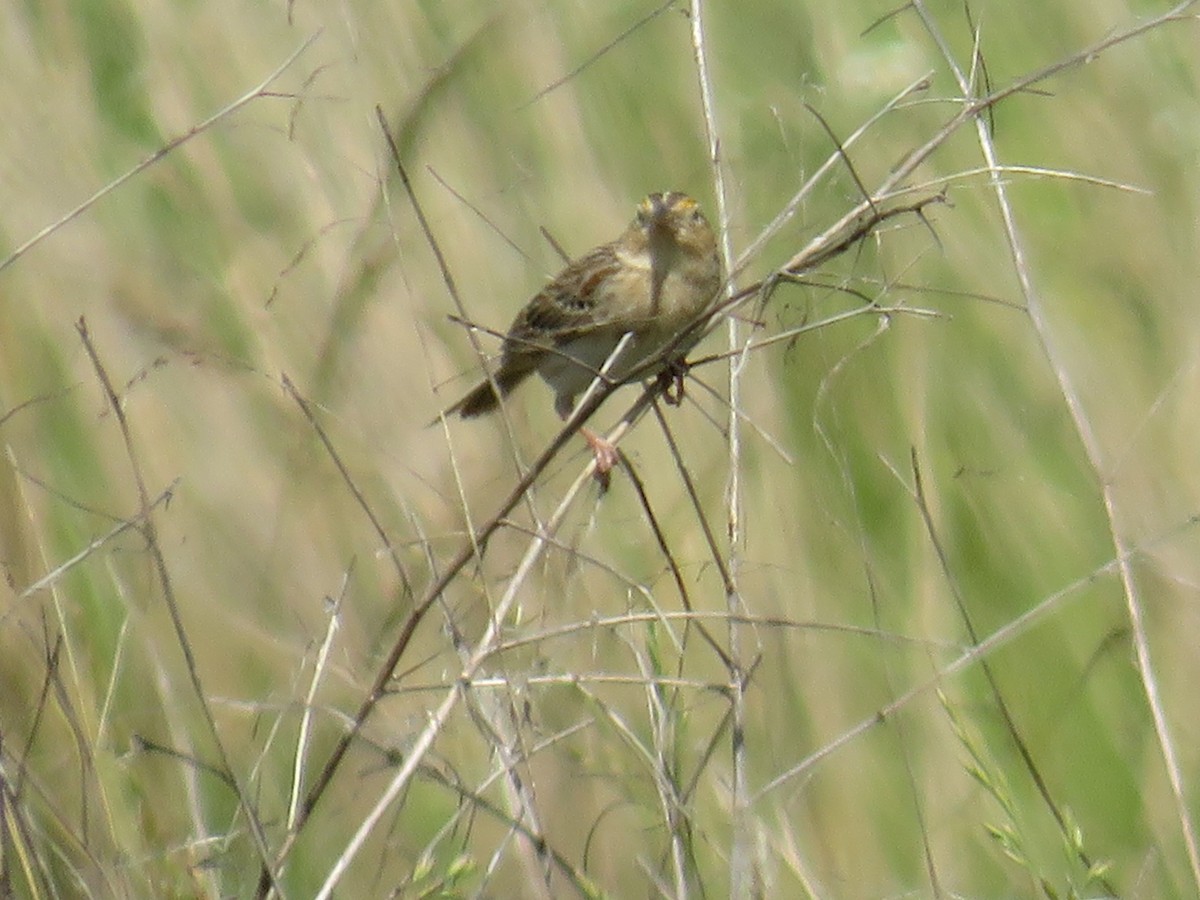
917 492
172 145
350 483
304 733
554 85
150 534
437 718
135 521
1083 427
999 638
740 850
660 538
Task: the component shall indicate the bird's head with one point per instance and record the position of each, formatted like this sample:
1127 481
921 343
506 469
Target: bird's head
671 221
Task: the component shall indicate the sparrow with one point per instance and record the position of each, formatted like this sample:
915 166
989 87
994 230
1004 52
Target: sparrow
650 283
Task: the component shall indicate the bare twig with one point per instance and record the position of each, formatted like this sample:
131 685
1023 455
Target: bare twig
304 733
740 876
355 491
866 218
1001 637
124 525
1087 436
150 534
172 145
437 718
917 491
554 85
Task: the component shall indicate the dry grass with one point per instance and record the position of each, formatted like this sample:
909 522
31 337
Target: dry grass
902 600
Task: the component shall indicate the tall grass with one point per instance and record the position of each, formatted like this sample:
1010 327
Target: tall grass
918 617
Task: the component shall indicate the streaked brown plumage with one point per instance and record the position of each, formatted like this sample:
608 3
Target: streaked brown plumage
650 282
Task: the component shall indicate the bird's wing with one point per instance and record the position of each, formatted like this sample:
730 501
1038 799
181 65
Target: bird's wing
566 308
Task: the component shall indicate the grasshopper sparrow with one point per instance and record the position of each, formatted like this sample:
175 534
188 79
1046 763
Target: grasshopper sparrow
651 282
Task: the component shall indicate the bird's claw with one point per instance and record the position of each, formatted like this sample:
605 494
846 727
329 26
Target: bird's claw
672 378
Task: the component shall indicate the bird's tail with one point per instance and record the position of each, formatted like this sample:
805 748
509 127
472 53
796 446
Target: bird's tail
483 397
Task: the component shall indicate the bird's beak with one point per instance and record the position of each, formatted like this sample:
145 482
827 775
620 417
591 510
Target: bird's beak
658 213
658 219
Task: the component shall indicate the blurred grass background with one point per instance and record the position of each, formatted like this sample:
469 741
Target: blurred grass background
278 242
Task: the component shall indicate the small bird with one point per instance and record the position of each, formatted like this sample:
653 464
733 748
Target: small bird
650 283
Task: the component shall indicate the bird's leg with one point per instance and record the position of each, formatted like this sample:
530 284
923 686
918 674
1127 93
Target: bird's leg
606 453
